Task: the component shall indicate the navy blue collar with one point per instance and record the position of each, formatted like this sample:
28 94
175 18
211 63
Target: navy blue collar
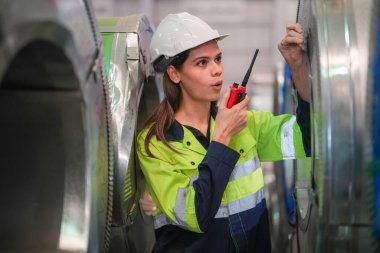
175 131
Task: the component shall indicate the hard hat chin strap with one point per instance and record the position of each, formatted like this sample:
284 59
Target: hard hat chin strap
162 62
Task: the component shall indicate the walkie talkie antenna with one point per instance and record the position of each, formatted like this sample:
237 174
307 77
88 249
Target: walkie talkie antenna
246 77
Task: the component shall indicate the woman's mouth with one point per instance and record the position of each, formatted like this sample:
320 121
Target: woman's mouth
216 86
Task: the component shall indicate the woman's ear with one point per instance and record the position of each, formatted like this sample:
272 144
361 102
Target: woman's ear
173 74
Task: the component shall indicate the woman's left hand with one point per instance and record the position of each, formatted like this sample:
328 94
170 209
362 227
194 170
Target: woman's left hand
291 46
146 203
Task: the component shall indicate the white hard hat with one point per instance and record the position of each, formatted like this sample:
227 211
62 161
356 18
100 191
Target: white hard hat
177 33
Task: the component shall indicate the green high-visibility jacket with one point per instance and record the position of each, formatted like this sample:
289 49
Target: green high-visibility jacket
194 186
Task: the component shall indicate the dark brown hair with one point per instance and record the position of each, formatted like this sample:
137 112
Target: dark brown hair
163 116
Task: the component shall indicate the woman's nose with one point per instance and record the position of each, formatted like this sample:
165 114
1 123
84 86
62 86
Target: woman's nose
217 69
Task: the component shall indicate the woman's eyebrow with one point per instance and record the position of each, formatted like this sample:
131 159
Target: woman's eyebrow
206 57
200 58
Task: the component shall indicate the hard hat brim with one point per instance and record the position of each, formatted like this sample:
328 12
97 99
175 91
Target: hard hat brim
217 38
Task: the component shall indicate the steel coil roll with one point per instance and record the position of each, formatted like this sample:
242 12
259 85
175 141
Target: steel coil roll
336 198
56 165
133 93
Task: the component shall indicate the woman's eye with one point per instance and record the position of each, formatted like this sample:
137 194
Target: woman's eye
218 58
202 63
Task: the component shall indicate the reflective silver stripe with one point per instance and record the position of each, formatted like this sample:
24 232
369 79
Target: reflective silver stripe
236 206
240 205
287 143
239 171
179 208
192 179
178 211
245 169
224 211
161 220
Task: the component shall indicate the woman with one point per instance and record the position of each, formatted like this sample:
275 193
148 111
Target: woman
202 163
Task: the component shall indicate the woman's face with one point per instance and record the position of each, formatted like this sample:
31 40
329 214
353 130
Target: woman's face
201 75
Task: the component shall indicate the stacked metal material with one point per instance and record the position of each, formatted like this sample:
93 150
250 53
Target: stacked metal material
134 94
373 120
335 211
337 192
56 153
69 181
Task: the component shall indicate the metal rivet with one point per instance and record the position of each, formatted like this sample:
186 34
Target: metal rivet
188 143
192 163
241 150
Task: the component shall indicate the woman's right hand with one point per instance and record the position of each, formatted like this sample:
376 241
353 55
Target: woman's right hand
229 122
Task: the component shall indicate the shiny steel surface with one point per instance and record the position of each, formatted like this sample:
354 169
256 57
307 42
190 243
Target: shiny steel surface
372 137
128 72
41 21
133 95
280 200
53 129
336 196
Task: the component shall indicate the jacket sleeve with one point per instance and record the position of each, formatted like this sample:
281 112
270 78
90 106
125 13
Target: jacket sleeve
281 137
190 205
303 120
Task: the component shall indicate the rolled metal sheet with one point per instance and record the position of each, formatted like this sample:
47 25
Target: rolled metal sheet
133 93
337 44
372 138
55 152
280 203
126 70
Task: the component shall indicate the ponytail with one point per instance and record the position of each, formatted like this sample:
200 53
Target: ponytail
163 116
